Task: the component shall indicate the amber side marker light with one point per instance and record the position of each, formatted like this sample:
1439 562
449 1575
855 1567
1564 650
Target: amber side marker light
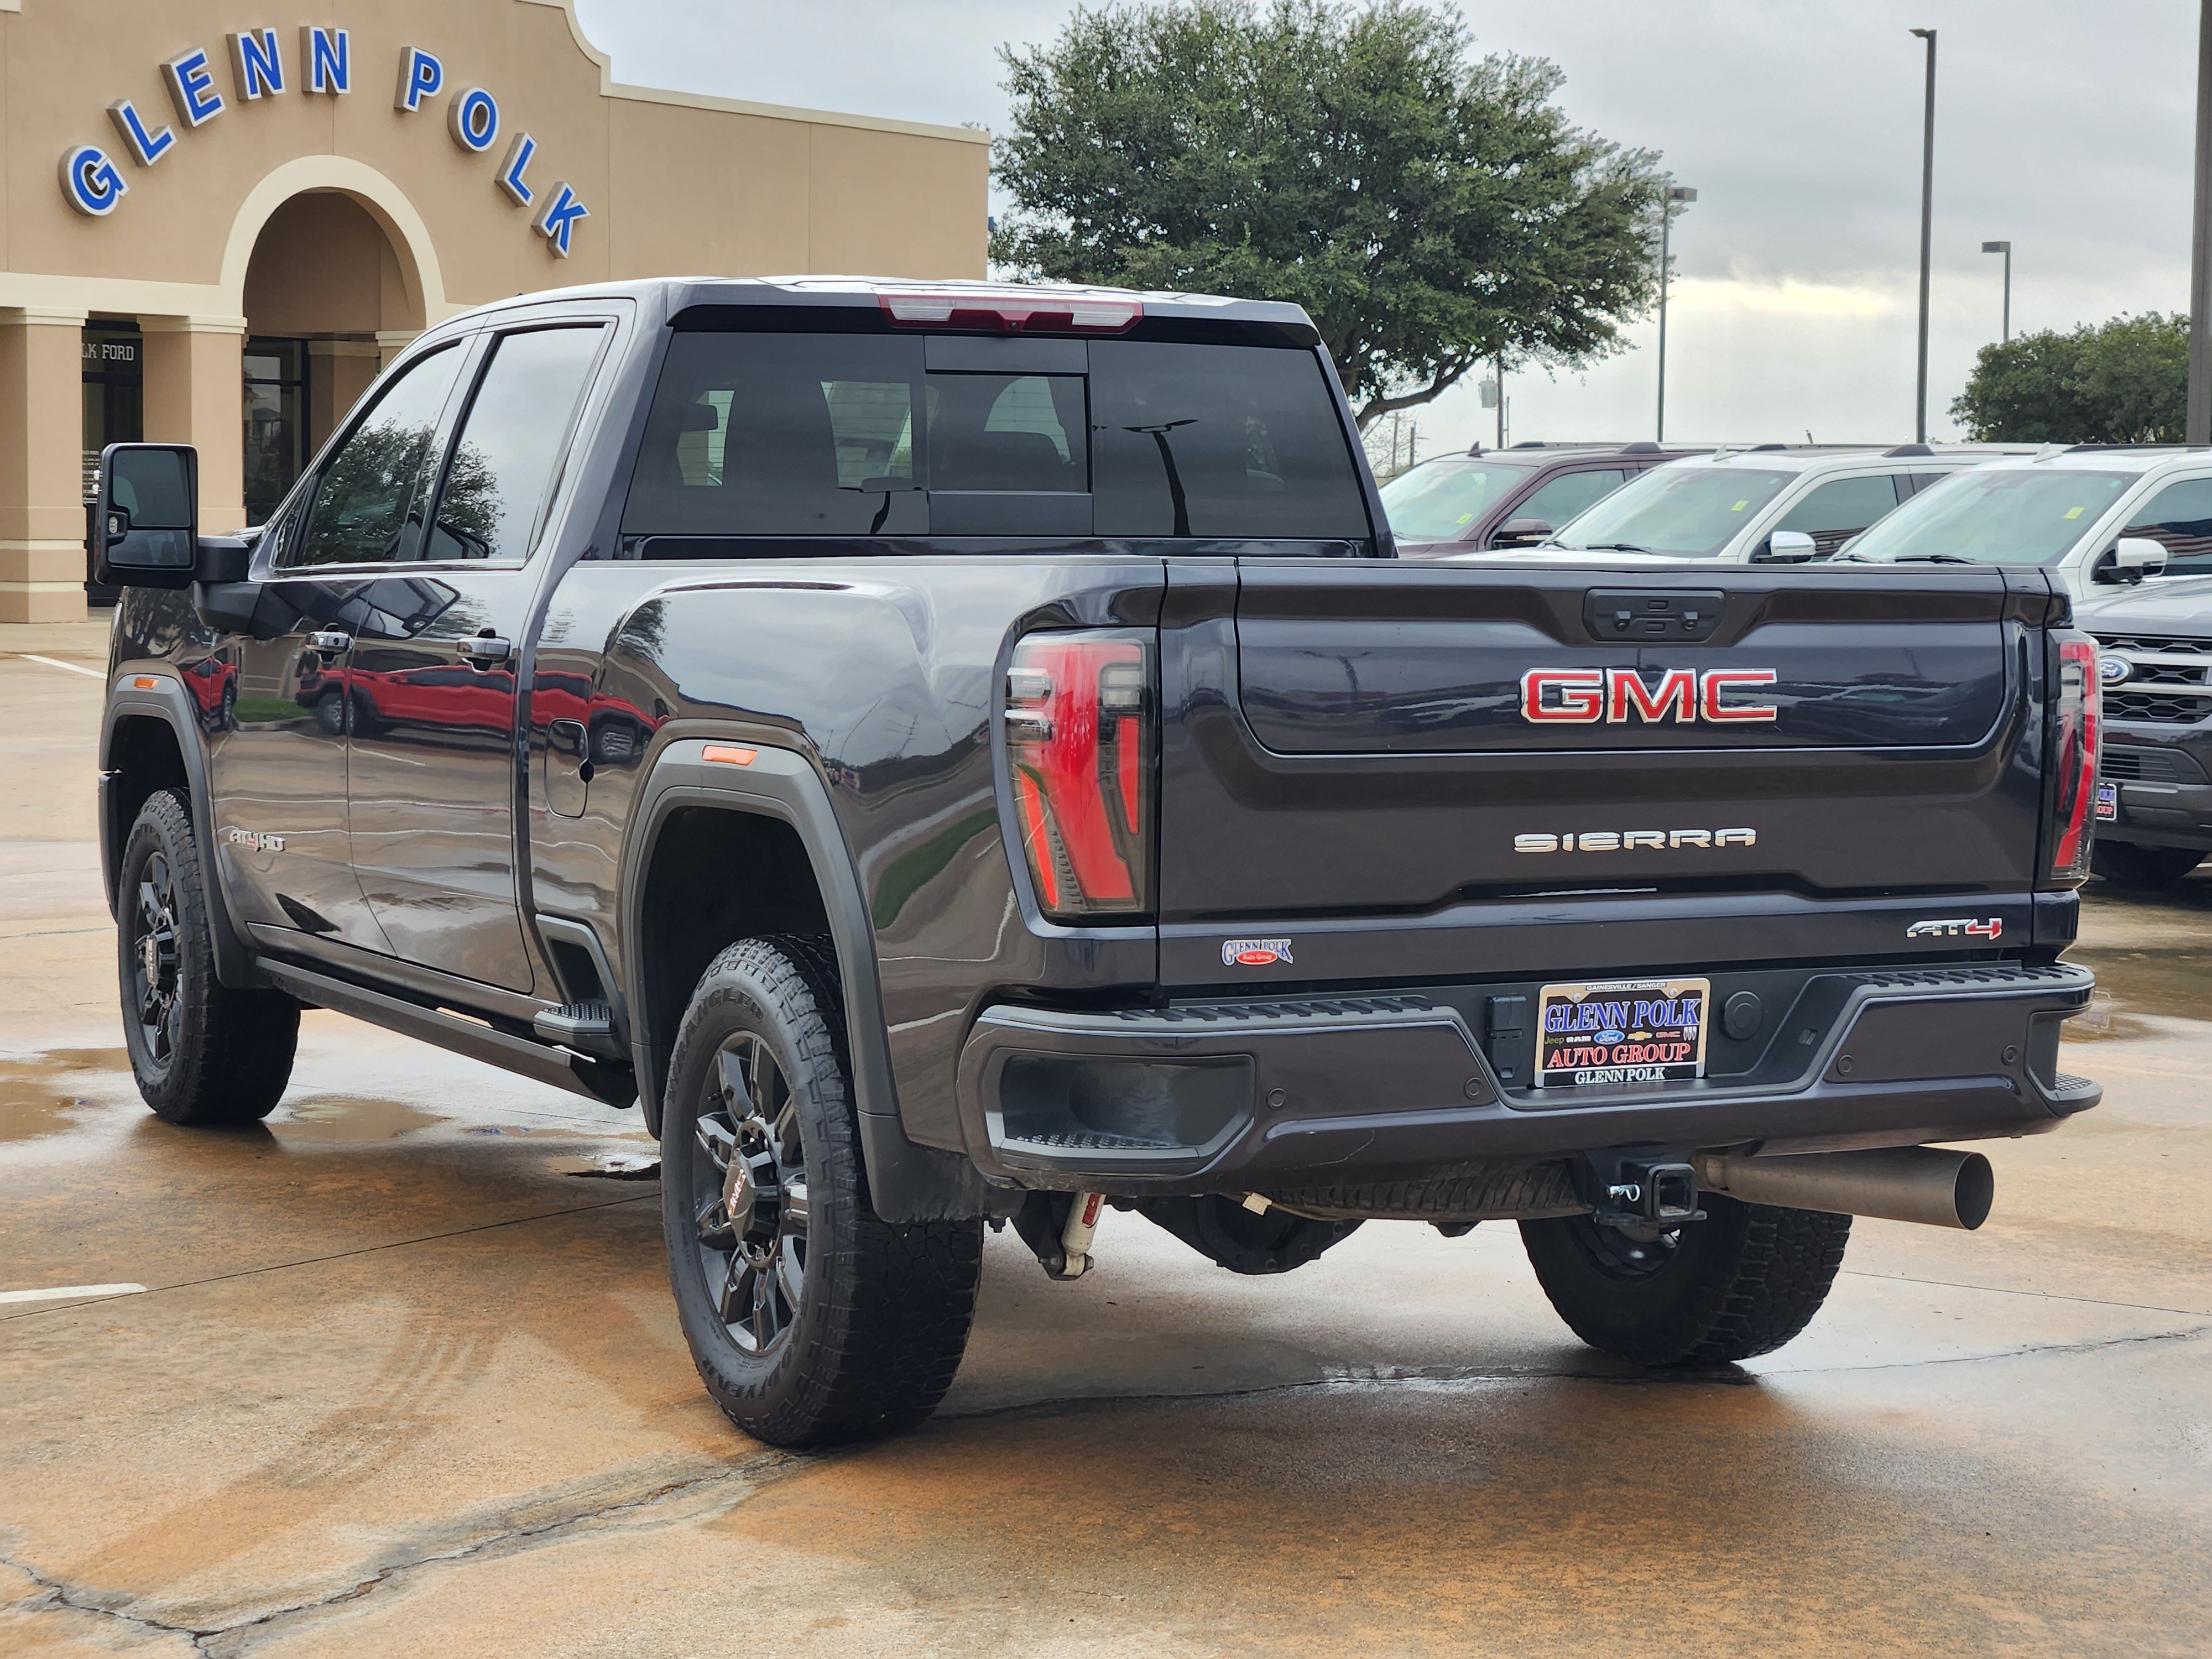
728 754
145 683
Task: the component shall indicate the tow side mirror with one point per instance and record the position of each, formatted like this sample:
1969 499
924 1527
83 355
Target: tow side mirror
1520 532
145 520
2134 557
1788 547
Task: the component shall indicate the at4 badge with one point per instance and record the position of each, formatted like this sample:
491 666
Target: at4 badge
1956 927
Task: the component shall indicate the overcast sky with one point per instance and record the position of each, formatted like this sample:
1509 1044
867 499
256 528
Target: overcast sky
2064 127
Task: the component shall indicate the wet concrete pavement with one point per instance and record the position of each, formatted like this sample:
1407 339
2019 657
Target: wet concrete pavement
405 1379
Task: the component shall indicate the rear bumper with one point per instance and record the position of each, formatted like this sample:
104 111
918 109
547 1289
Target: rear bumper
1331 1089
2163 815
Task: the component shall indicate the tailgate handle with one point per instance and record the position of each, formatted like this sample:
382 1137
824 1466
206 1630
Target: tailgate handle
1651 613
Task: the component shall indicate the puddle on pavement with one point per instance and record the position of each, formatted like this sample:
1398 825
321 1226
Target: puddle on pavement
341 1118
2174 982
33 1099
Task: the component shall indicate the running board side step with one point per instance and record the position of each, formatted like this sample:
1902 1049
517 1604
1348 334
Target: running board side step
587 1027
590 1078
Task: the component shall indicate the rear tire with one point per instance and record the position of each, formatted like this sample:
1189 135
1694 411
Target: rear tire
812 1320
2131 866
202 1052
1742 1282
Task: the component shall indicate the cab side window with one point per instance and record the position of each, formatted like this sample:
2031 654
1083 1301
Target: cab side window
1837 511
368 506
1560 498
2179 519
508 456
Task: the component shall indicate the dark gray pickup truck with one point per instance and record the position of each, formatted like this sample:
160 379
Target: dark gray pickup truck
956 754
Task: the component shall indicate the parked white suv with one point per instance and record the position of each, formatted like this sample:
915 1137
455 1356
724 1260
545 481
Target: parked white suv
1769 503
2091 515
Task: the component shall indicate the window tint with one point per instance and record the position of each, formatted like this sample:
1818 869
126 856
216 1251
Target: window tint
781 434
368 506
1561 498
510 445
842 434
1007 432
1217 441
2179 518
1837 511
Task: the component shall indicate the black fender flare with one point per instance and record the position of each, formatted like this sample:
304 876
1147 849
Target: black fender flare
907 1182
131 697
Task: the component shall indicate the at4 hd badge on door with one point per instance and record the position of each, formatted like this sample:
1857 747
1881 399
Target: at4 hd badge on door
1642 1030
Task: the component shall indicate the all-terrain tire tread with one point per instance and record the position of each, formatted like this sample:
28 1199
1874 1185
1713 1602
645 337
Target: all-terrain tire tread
234 1053
1791 1259
888 1341
1749 1279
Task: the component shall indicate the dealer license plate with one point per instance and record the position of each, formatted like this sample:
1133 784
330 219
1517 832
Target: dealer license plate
2108 803
1627 1030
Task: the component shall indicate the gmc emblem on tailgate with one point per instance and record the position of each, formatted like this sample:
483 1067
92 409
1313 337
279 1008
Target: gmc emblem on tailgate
1583 696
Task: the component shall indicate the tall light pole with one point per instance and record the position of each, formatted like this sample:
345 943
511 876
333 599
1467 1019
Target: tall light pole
1927 224
1676 194
2005 248
2197 425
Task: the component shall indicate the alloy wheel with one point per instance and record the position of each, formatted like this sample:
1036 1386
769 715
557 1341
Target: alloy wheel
750 1196
156 981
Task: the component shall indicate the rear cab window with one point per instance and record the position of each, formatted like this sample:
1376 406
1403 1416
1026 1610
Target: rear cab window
777 435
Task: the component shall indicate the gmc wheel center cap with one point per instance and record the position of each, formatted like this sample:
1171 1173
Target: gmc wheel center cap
740 1195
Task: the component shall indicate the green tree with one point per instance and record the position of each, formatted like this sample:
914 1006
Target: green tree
2124 381
1430 209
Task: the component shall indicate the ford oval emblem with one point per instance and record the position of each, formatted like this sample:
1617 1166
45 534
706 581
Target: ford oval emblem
2111 670
1611 1036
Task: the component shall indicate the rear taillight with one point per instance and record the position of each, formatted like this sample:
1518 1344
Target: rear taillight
1079 740
2076 719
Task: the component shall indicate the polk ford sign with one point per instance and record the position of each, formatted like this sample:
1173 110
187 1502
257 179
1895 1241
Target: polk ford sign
94 183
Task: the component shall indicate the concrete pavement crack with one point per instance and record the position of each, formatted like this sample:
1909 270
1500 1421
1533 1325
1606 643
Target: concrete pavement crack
2032 1351
2007 1289
205 1638
60 1594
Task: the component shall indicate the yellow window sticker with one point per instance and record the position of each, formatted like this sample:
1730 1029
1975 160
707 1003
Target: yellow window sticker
1469 518
1739 506
2073 511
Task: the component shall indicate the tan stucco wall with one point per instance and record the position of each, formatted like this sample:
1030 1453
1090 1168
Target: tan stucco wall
236 228
675 184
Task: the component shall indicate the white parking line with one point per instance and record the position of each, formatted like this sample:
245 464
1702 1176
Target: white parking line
64 1292
74 668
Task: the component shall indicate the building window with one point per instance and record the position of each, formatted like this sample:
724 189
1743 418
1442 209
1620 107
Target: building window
276 421
114 394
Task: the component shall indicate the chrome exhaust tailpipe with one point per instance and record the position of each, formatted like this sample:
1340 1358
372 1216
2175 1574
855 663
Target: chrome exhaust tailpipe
1900 1183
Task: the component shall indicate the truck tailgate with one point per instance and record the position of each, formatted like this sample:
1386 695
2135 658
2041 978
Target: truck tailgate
1462 746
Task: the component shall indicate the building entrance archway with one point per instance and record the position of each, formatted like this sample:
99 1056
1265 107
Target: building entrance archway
327 296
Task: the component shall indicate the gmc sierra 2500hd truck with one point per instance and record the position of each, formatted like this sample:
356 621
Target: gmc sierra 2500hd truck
956 753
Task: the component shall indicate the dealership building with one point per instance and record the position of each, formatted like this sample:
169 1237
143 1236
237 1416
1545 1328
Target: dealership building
216 226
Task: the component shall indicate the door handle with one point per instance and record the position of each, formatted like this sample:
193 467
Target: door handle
331 642
483 650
